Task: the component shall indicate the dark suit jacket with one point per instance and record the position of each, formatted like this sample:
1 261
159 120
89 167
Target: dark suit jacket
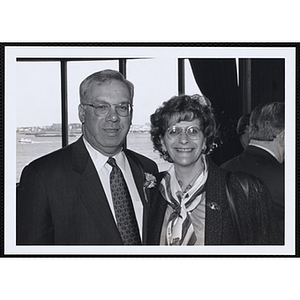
264 166
257 226
61 201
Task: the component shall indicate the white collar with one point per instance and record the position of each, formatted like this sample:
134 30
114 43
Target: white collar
102 159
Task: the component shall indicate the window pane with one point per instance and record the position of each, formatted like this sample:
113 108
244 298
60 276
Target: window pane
155 81
38 111
39 106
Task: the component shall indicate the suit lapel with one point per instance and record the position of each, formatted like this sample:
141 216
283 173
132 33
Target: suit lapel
213 221
156 219
138 174
214 208
92 194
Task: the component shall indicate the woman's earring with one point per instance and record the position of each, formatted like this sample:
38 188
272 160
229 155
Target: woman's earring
165 155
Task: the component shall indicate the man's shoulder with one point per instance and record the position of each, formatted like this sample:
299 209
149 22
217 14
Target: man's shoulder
249 156
139 158
254 160
57 157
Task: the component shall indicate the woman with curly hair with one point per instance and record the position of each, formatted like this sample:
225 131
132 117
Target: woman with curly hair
195 202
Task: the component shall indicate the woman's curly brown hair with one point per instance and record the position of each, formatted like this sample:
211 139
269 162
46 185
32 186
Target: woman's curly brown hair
182 108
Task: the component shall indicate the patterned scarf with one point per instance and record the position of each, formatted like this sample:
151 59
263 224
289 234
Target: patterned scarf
180 230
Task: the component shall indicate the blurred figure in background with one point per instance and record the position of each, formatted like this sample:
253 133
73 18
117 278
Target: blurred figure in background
242 129
264 156
227 141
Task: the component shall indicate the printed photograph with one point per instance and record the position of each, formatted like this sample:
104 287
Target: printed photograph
149 150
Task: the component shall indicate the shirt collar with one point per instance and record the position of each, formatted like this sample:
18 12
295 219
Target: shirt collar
102 159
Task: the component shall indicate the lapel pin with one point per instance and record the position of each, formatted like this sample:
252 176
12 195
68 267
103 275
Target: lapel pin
214 206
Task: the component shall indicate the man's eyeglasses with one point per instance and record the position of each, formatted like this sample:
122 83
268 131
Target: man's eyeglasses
192 132
102 109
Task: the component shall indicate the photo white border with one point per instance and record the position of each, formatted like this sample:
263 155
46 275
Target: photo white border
288 53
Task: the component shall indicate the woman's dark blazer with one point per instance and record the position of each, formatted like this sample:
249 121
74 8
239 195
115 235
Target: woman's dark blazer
61 201
256 222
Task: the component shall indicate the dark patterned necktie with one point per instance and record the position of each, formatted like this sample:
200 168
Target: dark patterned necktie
123 207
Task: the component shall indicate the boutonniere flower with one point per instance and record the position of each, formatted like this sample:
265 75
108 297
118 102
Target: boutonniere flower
150 181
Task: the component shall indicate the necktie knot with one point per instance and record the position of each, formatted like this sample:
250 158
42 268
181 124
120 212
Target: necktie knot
112 162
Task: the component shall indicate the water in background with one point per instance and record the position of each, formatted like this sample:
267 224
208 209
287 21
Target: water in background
39 146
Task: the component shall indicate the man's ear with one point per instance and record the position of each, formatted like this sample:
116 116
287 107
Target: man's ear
81 113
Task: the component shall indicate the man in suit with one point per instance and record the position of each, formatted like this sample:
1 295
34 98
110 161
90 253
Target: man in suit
67 197
264 156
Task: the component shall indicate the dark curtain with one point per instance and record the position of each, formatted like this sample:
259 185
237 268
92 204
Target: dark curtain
267 81
217 80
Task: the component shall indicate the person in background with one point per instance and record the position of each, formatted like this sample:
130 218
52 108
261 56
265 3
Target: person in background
92 191
264 156
242 130
189 203
227 141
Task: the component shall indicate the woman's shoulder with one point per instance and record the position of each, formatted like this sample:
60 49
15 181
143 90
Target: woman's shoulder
248 187
246 180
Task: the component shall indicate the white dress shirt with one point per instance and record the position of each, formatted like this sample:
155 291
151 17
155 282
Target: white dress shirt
104 169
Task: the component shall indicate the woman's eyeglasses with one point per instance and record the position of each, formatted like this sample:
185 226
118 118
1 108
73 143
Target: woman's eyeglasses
192 132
